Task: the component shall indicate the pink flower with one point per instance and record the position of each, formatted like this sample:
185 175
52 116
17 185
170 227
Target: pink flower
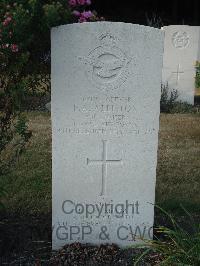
87 14
14 48
82 19
72 2
7 21
88 2
76 13
81 2
4 46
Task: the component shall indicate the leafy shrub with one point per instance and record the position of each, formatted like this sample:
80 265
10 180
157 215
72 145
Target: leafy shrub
168 98
169 103
12 142
154 20
179 246
3 194
197 78
182 108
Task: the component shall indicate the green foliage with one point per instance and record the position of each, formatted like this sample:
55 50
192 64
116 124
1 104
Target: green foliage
168 98
13 140
197 78
179 246
21 126
29 29
170 104
182 108
24 52
3 194
154 20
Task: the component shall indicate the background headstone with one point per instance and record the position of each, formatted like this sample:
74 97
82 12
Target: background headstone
105 116
180 55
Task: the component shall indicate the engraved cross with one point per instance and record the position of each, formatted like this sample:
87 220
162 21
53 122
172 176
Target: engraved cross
104 163
178 72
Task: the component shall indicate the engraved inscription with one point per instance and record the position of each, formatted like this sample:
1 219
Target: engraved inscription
104 163
180 39
107 65
108 111
107 115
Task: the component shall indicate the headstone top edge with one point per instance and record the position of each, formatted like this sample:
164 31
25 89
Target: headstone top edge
85 24
180 26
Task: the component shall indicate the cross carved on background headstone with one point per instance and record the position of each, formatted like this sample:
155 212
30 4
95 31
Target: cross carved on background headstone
178 72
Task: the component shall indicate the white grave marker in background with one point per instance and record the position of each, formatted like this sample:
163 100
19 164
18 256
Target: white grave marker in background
105 116
180 55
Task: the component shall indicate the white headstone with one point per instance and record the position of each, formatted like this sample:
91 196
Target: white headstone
180 55
105 112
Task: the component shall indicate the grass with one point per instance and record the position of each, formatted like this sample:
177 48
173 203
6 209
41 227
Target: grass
178 173
175 245
28 185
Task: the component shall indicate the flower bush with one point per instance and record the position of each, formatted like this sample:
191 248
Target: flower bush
78 8
25 59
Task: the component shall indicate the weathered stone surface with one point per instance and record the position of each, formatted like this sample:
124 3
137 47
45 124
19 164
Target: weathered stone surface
105 115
